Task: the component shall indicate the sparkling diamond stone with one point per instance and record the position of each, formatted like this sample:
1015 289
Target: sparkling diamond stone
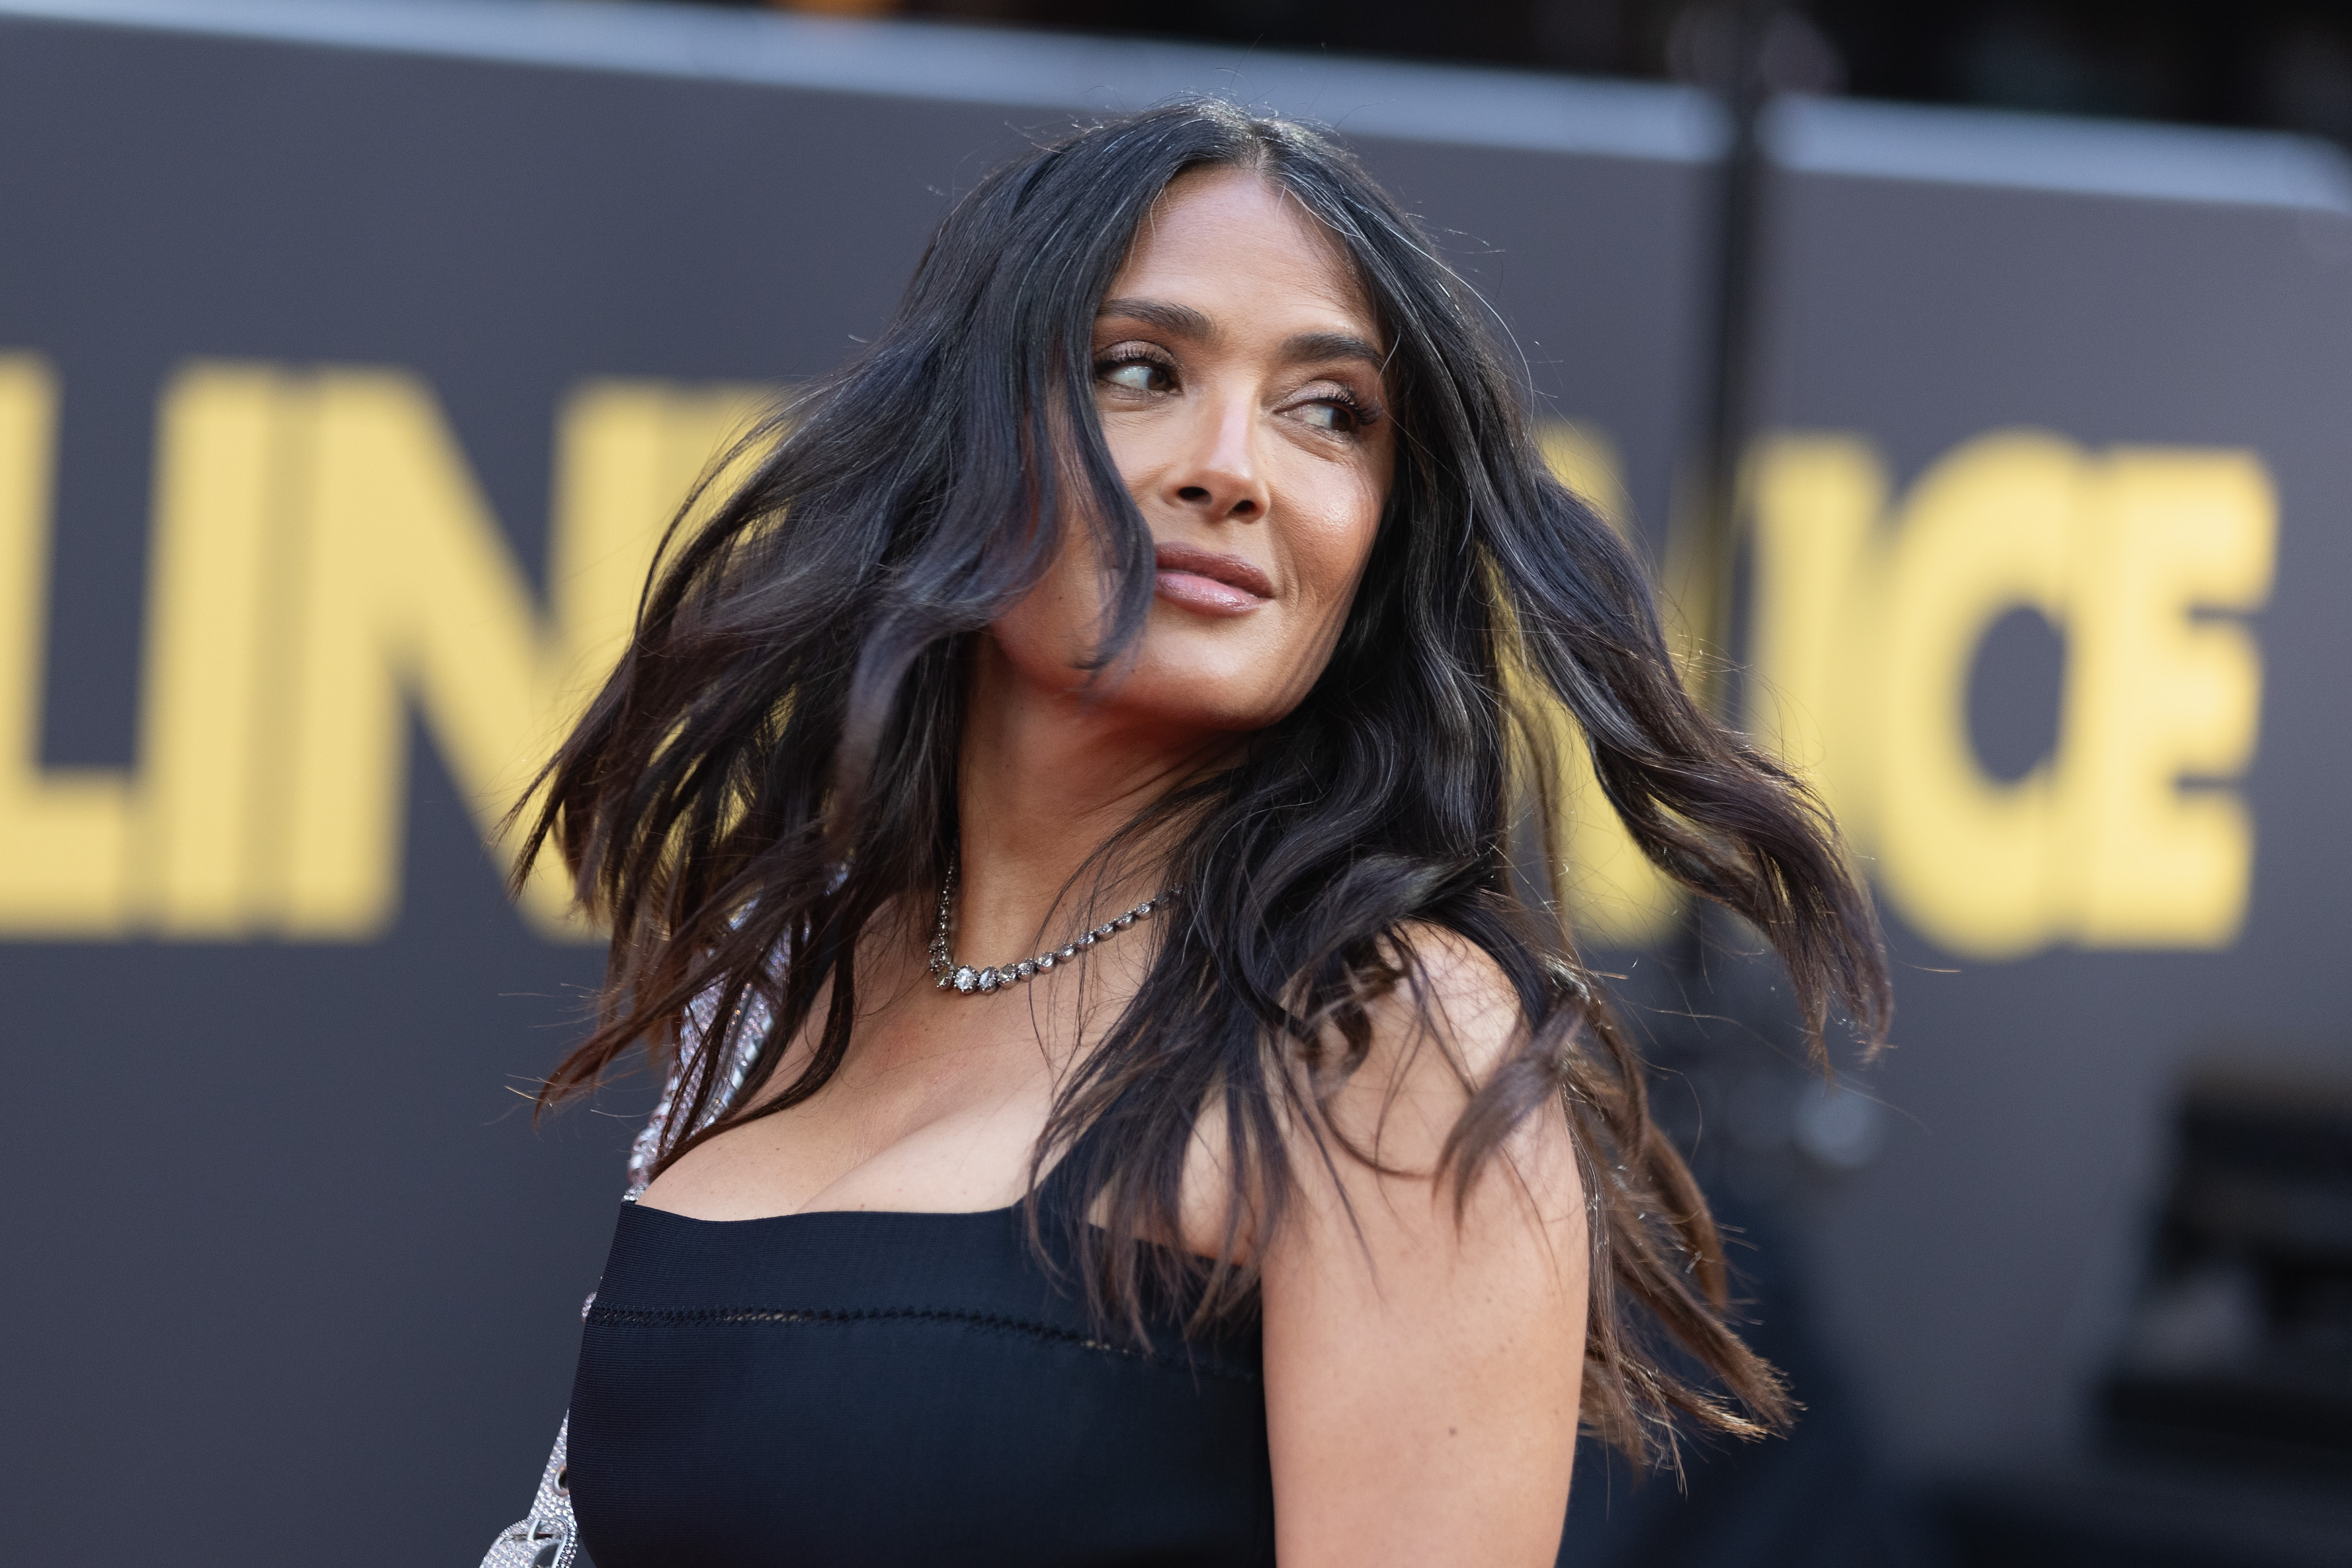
1071 951
1142 909
1044 960
988 979
966 979
1029 967
1124 921
1088 940
1104 929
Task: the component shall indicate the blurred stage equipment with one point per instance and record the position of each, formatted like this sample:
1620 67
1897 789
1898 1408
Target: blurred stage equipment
352 351
2226 1417
2241 1347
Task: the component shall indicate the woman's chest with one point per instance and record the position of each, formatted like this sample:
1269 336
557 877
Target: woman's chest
905 1124
887 1388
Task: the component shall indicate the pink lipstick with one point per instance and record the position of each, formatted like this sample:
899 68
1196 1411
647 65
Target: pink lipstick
1209 583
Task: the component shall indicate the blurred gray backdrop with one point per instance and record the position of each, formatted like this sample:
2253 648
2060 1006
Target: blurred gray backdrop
2052 554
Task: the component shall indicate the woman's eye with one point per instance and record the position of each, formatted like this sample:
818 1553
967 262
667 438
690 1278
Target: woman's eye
1337 417
1139 376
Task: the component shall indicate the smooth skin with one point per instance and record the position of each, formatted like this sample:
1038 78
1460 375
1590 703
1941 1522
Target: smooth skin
1422 1367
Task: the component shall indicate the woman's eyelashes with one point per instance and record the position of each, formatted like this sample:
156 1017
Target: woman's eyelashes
1329 407
1136 370
1338 409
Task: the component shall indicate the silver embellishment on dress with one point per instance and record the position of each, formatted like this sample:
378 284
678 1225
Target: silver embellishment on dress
546 1537
750 1028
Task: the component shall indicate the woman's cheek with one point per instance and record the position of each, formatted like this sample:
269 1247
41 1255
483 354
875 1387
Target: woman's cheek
1332 556
1044 635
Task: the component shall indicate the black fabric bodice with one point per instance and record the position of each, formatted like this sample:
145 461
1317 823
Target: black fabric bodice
866 1390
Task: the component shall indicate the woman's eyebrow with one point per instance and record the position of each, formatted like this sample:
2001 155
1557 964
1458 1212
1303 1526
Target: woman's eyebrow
1184 321
1307 346
1176 320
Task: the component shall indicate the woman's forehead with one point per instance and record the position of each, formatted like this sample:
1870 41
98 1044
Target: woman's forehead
1234 237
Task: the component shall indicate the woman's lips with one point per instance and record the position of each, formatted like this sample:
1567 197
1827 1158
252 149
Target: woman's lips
1209 583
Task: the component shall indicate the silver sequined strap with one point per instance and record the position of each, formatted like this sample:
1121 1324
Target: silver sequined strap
546 1537
749 1032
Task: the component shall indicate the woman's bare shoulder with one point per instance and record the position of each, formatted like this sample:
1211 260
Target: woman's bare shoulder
1437 1033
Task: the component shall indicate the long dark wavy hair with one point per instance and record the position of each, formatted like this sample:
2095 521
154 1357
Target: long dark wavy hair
772 767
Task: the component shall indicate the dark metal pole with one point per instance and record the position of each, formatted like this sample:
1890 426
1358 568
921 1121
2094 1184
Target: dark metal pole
1732 372
1712 551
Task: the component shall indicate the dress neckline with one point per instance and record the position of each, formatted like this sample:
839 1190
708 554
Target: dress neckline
1048 1189
831 1213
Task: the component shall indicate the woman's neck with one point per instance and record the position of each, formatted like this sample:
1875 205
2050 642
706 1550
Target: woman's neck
1045 779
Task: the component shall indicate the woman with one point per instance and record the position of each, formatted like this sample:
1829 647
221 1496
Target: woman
1129 1103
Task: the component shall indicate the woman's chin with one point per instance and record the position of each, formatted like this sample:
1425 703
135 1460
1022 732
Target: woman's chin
1202 698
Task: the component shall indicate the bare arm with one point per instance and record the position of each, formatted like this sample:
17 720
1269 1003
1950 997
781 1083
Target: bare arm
1421 1372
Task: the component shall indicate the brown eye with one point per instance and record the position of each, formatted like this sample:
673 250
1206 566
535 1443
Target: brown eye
1336 417
1139 376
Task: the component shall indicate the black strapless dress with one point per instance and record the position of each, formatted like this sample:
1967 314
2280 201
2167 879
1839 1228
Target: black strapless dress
868 1390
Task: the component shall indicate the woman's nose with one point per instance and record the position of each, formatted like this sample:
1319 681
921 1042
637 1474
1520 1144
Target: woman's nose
1218 475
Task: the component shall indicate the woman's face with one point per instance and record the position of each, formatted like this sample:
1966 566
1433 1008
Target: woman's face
1238 381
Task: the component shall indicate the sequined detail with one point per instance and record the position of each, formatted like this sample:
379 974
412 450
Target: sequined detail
546 1537
749 1030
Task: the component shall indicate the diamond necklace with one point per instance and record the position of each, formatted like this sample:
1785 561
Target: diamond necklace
963 978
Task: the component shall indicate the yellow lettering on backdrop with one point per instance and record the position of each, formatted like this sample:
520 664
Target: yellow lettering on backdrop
64 832
323 559
1816 504
2155 695
1865 637
1969 857
405 586
628 452
1583 459
1618 899
205 778
408 587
